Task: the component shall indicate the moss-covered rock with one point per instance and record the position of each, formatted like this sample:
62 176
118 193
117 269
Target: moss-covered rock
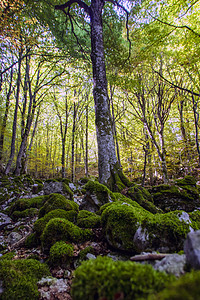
195 219
143 198
20 278
135 230
24 204
32 241
57 201
104 278
182 196
59 187
186 287
60 253
96 195
40 224
87 219
58 229
29 212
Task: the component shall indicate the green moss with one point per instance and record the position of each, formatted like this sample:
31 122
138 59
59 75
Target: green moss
122 198
60 253
88 219
58 229
104 278
195 219
29 212
143 198
20 278
40 224
32 241
120 221
101 191
23 204
66 189
57 201
186 287
187 180
84 252
8 255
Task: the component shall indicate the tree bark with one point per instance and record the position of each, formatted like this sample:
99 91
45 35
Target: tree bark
106 147
14 129
4 123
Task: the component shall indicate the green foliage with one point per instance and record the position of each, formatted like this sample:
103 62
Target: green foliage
105 278
58 229
88 219
186 287
40 224
20 278
57 201
60 253
8 255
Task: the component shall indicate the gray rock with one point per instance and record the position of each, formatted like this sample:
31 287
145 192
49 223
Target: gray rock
90 256
1 287
172 264
141 238
55 187
51 287
192 249
72 186
13 238
4 220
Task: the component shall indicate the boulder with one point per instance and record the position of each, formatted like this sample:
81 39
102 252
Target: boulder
57 187
192 249
133 229
96 195
183 195
172 264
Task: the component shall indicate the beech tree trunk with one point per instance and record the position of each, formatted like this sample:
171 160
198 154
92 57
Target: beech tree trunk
106 147
108 165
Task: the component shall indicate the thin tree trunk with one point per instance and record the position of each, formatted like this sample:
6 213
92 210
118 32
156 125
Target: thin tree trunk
5 118
196 119
86 143
14 129
73 142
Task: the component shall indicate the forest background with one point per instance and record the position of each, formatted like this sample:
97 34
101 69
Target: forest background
47 114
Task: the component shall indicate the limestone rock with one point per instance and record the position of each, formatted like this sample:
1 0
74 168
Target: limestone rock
172 264
13 238
4 220
192 249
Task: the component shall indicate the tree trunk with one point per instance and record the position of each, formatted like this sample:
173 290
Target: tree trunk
107 159
4 123
86 143
14 130
73 142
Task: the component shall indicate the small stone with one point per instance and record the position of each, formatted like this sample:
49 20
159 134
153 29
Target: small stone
4 220
13 238
90 256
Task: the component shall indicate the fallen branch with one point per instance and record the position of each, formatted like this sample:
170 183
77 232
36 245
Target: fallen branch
150 256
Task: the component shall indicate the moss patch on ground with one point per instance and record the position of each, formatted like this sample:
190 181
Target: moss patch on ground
186 287
20 278
60 253
103 278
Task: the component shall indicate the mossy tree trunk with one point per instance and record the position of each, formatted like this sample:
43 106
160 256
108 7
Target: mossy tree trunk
108 166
